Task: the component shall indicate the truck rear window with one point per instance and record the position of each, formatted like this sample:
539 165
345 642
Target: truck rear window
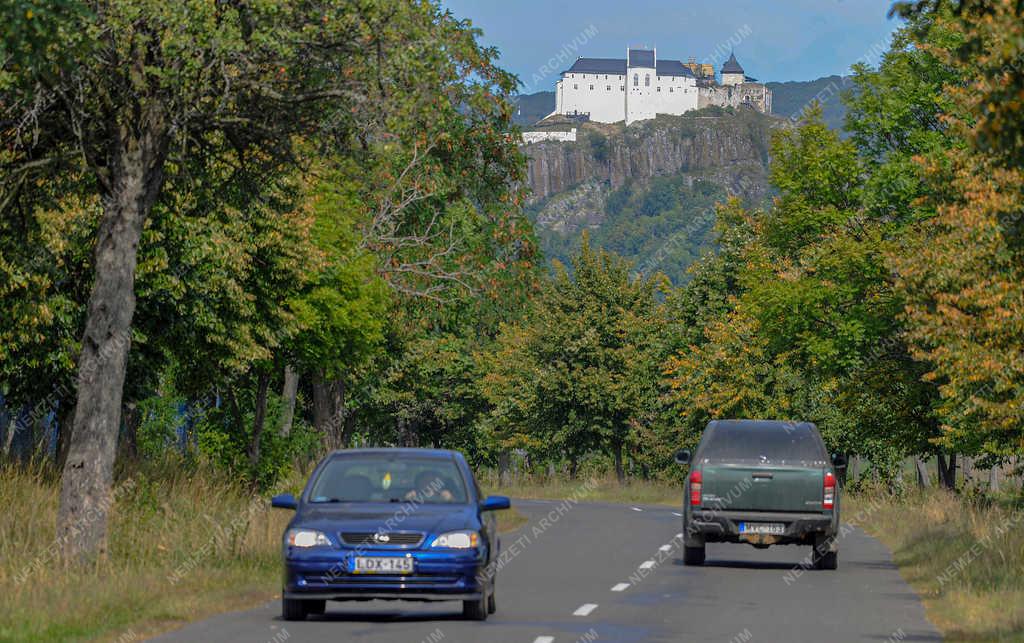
747 442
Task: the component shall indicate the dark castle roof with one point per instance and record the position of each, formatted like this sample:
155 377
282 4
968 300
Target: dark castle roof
598 66
637 58
673 68
641 58
731 66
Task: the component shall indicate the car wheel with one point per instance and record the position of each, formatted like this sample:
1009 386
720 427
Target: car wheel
293 610
825 555
316 607
693 555
830 560
475 610
492 601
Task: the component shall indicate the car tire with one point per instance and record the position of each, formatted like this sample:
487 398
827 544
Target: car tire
492 601
475 610
293 610
825 555
693 555
316 607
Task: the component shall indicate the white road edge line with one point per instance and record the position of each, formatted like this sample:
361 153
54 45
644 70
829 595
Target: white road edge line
585 609
636 508
665 548
647 564
676 513
621 587
544 639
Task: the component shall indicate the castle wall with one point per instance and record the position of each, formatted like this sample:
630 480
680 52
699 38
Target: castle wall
753 95
600 95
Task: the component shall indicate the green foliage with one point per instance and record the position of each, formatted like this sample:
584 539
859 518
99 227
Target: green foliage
580 372
664 225
813 322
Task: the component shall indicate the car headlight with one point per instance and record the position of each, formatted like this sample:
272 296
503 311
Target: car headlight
457 540
306 538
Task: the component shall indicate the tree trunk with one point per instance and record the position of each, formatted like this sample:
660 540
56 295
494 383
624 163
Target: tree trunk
947 470
329 411
65 427
968 468
338 438
923 480
259 418
993 479
135 176
620 473
288 395
5 423
504 460
321 405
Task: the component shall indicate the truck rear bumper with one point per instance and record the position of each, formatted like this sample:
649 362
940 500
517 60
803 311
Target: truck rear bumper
724 526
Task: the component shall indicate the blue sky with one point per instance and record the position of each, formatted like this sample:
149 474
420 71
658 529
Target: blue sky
774 39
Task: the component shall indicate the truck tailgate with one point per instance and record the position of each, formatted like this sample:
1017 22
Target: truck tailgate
734 487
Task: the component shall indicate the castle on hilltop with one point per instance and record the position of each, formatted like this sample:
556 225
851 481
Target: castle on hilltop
641 86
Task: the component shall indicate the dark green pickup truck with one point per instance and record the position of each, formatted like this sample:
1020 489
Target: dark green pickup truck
761 482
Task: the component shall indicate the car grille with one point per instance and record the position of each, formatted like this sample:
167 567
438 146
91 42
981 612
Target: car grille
394 538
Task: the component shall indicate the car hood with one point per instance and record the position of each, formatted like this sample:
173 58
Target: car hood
373 518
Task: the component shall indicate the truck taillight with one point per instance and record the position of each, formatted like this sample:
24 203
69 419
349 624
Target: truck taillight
696 484
829 499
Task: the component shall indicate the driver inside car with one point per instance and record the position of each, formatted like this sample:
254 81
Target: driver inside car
427 485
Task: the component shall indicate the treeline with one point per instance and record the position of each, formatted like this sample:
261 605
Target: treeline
879 295
247 233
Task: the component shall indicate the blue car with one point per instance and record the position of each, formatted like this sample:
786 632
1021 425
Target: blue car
392 524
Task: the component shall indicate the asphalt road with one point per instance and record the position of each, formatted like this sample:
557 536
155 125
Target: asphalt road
602 572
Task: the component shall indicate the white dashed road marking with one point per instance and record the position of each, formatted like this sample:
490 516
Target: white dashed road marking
676 513
679 535
621 587
647 564
544 639
585 609
665 548
636 508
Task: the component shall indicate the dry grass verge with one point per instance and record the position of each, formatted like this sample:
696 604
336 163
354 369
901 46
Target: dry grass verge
592 489
964 557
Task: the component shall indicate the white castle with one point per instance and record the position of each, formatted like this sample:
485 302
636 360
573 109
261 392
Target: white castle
641 86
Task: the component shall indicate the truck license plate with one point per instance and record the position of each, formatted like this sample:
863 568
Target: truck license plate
770 528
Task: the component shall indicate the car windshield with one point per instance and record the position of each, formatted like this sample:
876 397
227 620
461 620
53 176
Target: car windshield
378 478
777 443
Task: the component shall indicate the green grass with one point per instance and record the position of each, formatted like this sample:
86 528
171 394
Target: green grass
964 557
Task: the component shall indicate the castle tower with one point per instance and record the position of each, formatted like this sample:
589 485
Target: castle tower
732 73
641 83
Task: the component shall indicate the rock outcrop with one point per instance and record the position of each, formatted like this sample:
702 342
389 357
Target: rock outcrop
731 150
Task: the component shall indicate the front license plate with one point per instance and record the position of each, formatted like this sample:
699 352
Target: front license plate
389 565
770 528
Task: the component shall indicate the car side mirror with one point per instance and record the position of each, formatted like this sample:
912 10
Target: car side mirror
838 459
683 456
495 503
284 501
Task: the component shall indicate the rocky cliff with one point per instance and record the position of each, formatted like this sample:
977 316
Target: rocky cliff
731 148
652 179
